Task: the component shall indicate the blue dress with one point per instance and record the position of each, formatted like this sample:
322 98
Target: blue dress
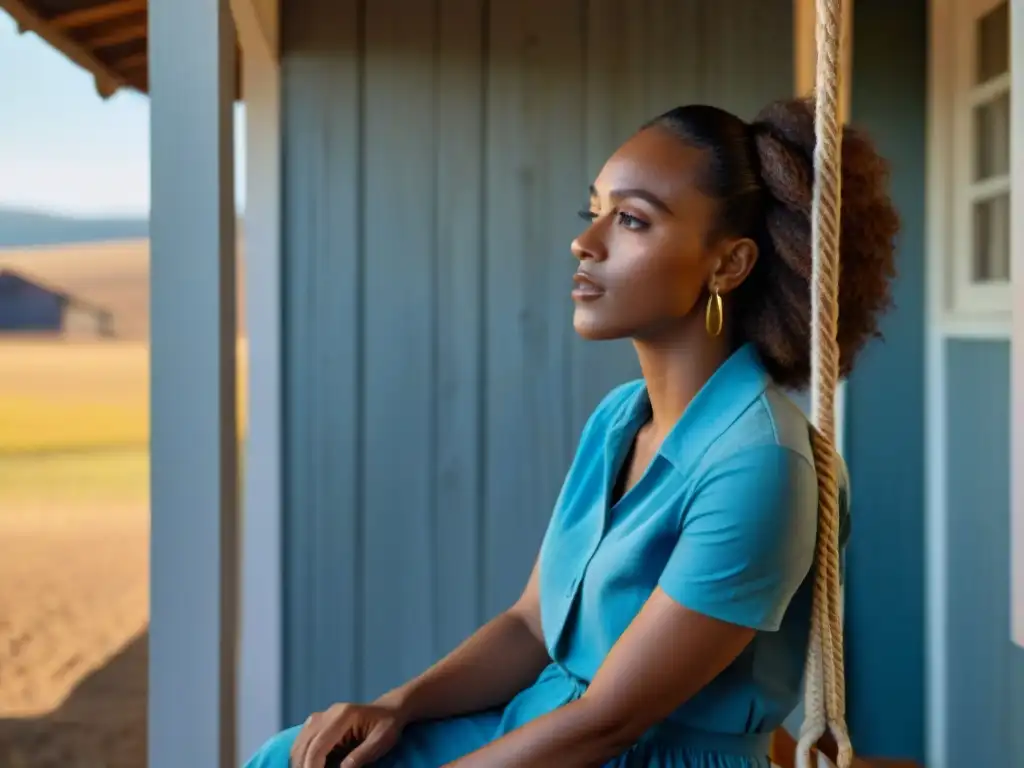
723 520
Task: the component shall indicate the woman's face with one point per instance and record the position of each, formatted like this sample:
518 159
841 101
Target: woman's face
644 260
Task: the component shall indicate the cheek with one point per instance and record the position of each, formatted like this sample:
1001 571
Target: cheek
662 275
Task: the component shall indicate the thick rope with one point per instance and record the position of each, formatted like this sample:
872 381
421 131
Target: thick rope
824 684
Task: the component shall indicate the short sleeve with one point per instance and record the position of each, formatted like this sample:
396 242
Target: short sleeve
747 539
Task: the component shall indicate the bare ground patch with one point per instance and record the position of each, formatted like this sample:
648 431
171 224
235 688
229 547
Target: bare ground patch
73 614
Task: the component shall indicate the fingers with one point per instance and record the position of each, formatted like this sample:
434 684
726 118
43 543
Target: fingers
328 735
376 743
301 744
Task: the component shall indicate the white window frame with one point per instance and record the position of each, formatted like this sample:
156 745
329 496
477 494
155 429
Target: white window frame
971 309
1017 335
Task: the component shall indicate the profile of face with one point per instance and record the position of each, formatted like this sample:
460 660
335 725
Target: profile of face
649 256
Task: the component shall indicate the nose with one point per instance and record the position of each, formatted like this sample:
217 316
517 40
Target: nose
587 246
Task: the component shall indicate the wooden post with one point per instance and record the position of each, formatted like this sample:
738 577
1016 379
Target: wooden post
194 437
261 685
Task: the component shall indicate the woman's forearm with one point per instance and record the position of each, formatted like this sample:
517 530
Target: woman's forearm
580 734
498 661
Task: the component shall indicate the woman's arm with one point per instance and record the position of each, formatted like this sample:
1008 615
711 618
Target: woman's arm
667 654
746 545
497 661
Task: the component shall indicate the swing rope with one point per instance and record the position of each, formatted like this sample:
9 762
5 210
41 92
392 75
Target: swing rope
824 681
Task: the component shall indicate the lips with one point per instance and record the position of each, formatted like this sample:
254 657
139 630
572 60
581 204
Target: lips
586 287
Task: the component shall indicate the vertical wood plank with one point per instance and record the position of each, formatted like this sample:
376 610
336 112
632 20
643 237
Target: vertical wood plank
676 53
460 320
742 35
615 98
260 691
400 319
979 494
535 183
322 331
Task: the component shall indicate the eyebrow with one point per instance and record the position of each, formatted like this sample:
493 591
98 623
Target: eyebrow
641 194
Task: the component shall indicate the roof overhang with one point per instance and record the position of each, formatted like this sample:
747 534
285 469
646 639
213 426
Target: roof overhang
107 38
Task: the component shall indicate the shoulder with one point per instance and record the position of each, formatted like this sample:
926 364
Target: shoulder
762 463
749 522
772 423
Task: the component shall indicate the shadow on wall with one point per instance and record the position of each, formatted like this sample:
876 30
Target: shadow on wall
102 724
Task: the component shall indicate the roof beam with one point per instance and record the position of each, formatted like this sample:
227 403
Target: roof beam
96 14
133 62
125 34
107 81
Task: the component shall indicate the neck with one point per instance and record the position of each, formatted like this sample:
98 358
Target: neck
675 368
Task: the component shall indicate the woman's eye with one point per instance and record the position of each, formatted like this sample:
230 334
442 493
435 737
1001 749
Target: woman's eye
627 220
631 222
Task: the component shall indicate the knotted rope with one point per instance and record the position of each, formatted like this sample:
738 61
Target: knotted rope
824 682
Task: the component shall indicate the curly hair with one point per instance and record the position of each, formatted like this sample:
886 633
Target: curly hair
762 173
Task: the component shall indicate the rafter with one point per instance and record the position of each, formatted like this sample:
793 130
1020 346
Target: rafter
28 20
96 14
119 35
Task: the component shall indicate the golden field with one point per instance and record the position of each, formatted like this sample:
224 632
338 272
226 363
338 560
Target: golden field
74 521
74 526
58 396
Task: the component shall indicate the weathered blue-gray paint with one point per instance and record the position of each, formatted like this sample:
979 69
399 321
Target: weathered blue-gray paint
885 595
322 342
435 155
985 669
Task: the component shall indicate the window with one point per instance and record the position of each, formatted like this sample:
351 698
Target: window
980 256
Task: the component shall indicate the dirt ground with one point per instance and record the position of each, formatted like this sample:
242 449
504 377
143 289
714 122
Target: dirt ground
74 549
73 651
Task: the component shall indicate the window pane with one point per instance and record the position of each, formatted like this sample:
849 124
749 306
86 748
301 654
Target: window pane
992 138
993 39
992 240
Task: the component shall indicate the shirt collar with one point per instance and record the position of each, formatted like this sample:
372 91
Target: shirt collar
737 383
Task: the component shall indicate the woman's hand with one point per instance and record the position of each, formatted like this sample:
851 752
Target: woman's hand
498 661
371 729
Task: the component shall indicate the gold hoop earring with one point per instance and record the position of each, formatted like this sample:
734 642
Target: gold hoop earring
714 319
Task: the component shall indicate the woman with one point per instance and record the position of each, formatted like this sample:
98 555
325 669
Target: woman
666 620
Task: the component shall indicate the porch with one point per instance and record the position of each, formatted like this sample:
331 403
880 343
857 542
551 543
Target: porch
413 170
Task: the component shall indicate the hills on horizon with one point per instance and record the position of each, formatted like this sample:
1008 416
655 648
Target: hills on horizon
27 228
24 228
104 261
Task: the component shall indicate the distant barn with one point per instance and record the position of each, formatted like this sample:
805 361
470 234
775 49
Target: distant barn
28 306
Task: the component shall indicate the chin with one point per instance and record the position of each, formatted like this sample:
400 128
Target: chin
593 329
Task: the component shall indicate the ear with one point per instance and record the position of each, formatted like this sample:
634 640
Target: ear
734 265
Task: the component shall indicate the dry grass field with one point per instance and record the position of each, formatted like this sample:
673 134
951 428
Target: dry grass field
74 522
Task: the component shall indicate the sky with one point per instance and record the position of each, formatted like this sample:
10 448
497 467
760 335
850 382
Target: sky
65 150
